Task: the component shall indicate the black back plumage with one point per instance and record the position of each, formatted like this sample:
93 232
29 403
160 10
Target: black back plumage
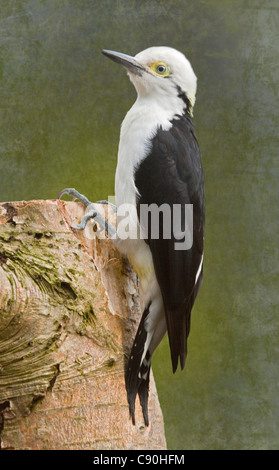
172 173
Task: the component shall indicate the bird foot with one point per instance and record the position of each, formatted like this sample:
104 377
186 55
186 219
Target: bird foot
92 212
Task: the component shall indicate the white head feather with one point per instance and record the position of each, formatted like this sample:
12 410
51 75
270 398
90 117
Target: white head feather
181 75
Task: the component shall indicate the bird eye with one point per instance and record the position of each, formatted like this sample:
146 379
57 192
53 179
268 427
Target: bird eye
160 68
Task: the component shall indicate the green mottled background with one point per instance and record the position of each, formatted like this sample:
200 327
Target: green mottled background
61 106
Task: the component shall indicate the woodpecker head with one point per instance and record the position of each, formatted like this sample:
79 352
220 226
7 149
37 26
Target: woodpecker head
159 72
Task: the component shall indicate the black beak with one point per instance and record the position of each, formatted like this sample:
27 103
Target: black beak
126 61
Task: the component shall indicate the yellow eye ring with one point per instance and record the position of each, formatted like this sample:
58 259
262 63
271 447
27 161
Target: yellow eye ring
160 68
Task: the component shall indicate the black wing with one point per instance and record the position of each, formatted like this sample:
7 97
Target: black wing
172 173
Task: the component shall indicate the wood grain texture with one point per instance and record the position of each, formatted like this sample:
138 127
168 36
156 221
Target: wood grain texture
69 309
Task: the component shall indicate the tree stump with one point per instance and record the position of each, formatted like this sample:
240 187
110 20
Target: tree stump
69 309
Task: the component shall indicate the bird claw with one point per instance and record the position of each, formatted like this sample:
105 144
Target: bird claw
84 220
92 214
75 194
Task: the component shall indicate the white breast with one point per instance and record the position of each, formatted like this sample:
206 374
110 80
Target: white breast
139 126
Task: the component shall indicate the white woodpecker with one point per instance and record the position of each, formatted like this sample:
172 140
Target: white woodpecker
159 162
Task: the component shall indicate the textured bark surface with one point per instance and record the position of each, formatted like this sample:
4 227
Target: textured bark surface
69 309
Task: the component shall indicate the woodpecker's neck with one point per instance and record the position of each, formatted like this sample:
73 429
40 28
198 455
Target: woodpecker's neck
164 93
175 101
188 103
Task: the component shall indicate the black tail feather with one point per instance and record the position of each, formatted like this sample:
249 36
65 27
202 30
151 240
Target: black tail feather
179 322
143 391
137 374
178 331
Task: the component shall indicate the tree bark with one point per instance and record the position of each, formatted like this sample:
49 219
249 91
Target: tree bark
69 309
